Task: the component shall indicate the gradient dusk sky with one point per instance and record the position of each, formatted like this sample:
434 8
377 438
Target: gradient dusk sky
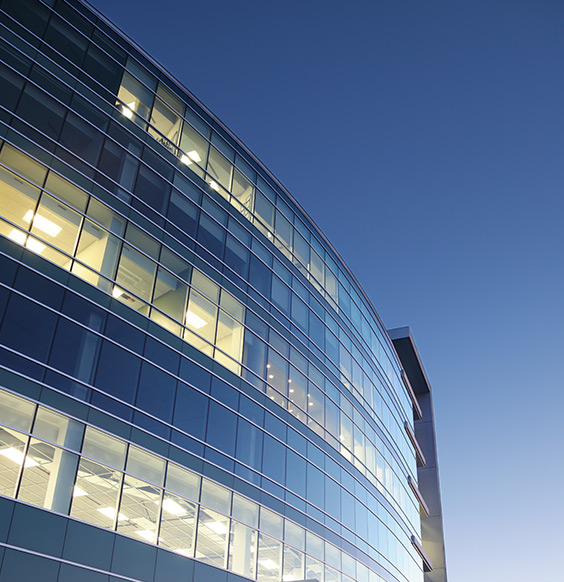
426 139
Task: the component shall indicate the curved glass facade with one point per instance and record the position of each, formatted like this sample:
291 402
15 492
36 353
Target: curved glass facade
186 363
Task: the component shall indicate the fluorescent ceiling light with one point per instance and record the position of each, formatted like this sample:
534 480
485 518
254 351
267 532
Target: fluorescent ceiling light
117 292
34 245
268 564
148 535
217 527
78 492
214 185
18 457
170 506
194 320
42 223
110 513
18 236
288 577
190 157
194 156
128 109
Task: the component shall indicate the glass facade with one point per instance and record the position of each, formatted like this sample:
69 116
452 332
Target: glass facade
186 364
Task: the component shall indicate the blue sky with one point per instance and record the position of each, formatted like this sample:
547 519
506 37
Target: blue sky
426 139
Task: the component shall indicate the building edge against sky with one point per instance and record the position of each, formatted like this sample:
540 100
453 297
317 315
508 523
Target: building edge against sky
192 382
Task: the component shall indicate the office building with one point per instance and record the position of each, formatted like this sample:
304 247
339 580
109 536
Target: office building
193 386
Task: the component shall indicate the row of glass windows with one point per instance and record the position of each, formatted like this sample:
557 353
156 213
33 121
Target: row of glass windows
121 487
138 277
258 455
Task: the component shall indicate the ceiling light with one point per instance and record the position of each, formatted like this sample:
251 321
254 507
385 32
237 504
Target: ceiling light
268 564
217 527
110 513
42 223
271 375
117 292
214 185
185 159
34 245
194 320
288 577
18 236
195 156
291 390
78 492
18 457
148 535
128 110
170 506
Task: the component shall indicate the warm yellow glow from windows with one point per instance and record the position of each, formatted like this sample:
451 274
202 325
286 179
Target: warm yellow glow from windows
42 223
128 109
194 320
32 244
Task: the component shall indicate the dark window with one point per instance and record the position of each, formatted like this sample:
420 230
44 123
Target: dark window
260 276
12 85
183 213
75 351
156 392
31 13
249 444
153 190
81 139
28 328
211 236
191 411
41 111
222 425
274 460
237 256
118 372
64 39
296 473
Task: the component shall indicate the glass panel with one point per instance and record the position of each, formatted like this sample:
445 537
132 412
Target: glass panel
245 510
219 169
139 507
194 148
167 122
169 295
58 429
104 448
12 450
270 522
23 164
136 99
314 570
294 563
55 223
66 191
48 476
205 286
99 250
95 494
277 376
229 336
182 481
106 217
269 559
17 199
16 412
178 525
297 391
294 535
242 550
213 529
135 273
215 496
201 317
332 575
243 192
232 305
145 465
